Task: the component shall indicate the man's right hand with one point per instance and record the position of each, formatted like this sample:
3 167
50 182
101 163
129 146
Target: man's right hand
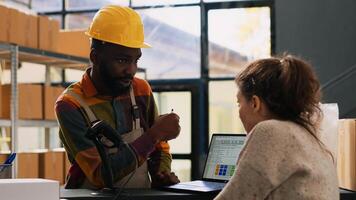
166 127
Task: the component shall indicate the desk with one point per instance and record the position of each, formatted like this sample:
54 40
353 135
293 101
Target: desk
132 194
145 194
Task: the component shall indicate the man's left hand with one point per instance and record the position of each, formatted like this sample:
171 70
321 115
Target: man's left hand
164 179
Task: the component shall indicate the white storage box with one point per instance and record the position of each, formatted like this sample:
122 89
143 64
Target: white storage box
29 189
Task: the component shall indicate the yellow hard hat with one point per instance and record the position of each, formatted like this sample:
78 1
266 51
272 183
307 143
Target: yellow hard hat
118 25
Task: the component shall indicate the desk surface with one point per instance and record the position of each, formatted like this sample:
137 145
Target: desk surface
132 194
144 194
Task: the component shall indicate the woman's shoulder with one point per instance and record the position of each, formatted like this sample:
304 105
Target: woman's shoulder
276 128
275 124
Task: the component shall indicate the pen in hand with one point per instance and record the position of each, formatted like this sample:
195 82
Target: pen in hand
171 112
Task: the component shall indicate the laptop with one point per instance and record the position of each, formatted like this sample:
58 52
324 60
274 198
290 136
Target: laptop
220 164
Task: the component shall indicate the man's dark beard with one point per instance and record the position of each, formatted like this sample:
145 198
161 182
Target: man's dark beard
112 83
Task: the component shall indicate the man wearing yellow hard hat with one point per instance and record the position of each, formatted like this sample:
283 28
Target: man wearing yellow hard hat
109 123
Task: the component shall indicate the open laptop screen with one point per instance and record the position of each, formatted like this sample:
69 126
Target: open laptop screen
222 156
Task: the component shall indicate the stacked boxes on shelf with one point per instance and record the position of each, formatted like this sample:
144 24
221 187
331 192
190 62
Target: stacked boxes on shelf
5 171
31 31
48 30
30 101
35 101
66 40
51 165
50 95
3 157
4 24
45 164
28 165
18 28
41 32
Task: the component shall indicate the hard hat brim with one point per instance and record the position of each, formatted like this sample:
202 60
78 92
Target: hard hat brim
141 45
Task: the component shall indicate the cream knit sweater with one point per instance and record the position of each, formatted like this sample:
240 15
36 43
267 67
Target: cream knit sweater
281 160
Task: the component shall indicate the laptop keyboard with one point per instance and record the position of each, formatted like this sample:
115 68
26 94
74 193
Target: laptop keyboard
207 184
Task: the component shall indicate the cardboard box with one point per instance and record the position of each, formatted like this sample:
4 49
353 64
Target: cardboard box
28 165
54 28
30 101
50 96
3 157
43 32
31 36
20 189
48 30
17 29
21 26
4 23
66 40
51 165
346 162
13 18
5 169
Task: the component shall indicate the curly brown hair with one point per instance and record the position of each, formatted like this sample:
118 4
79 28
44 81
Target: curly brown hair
288 86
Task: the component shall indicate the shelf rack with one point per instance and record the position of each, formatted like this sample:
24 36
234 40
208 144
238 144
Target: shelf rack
26 54
16 54
30 123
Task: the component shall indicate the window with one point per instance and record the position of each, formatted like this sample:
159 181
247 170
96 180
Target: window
46 6
56 74
30 139
174 34
161 2
73 75
58 18
217 0
79 21
37 72
34 138
166 101
182 169
223 109
93 4
236 37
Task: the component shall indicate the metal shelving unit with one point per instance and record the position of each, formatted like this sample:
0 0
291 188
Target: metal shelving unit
29 123
26 54
16 54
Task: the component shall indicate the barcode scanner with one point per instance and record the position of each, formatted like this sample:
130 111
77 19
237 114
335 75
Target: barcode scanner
100 128
96 132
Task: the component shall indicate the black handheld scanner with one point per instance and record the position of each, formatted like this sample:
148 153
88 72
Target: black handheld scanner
99 129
